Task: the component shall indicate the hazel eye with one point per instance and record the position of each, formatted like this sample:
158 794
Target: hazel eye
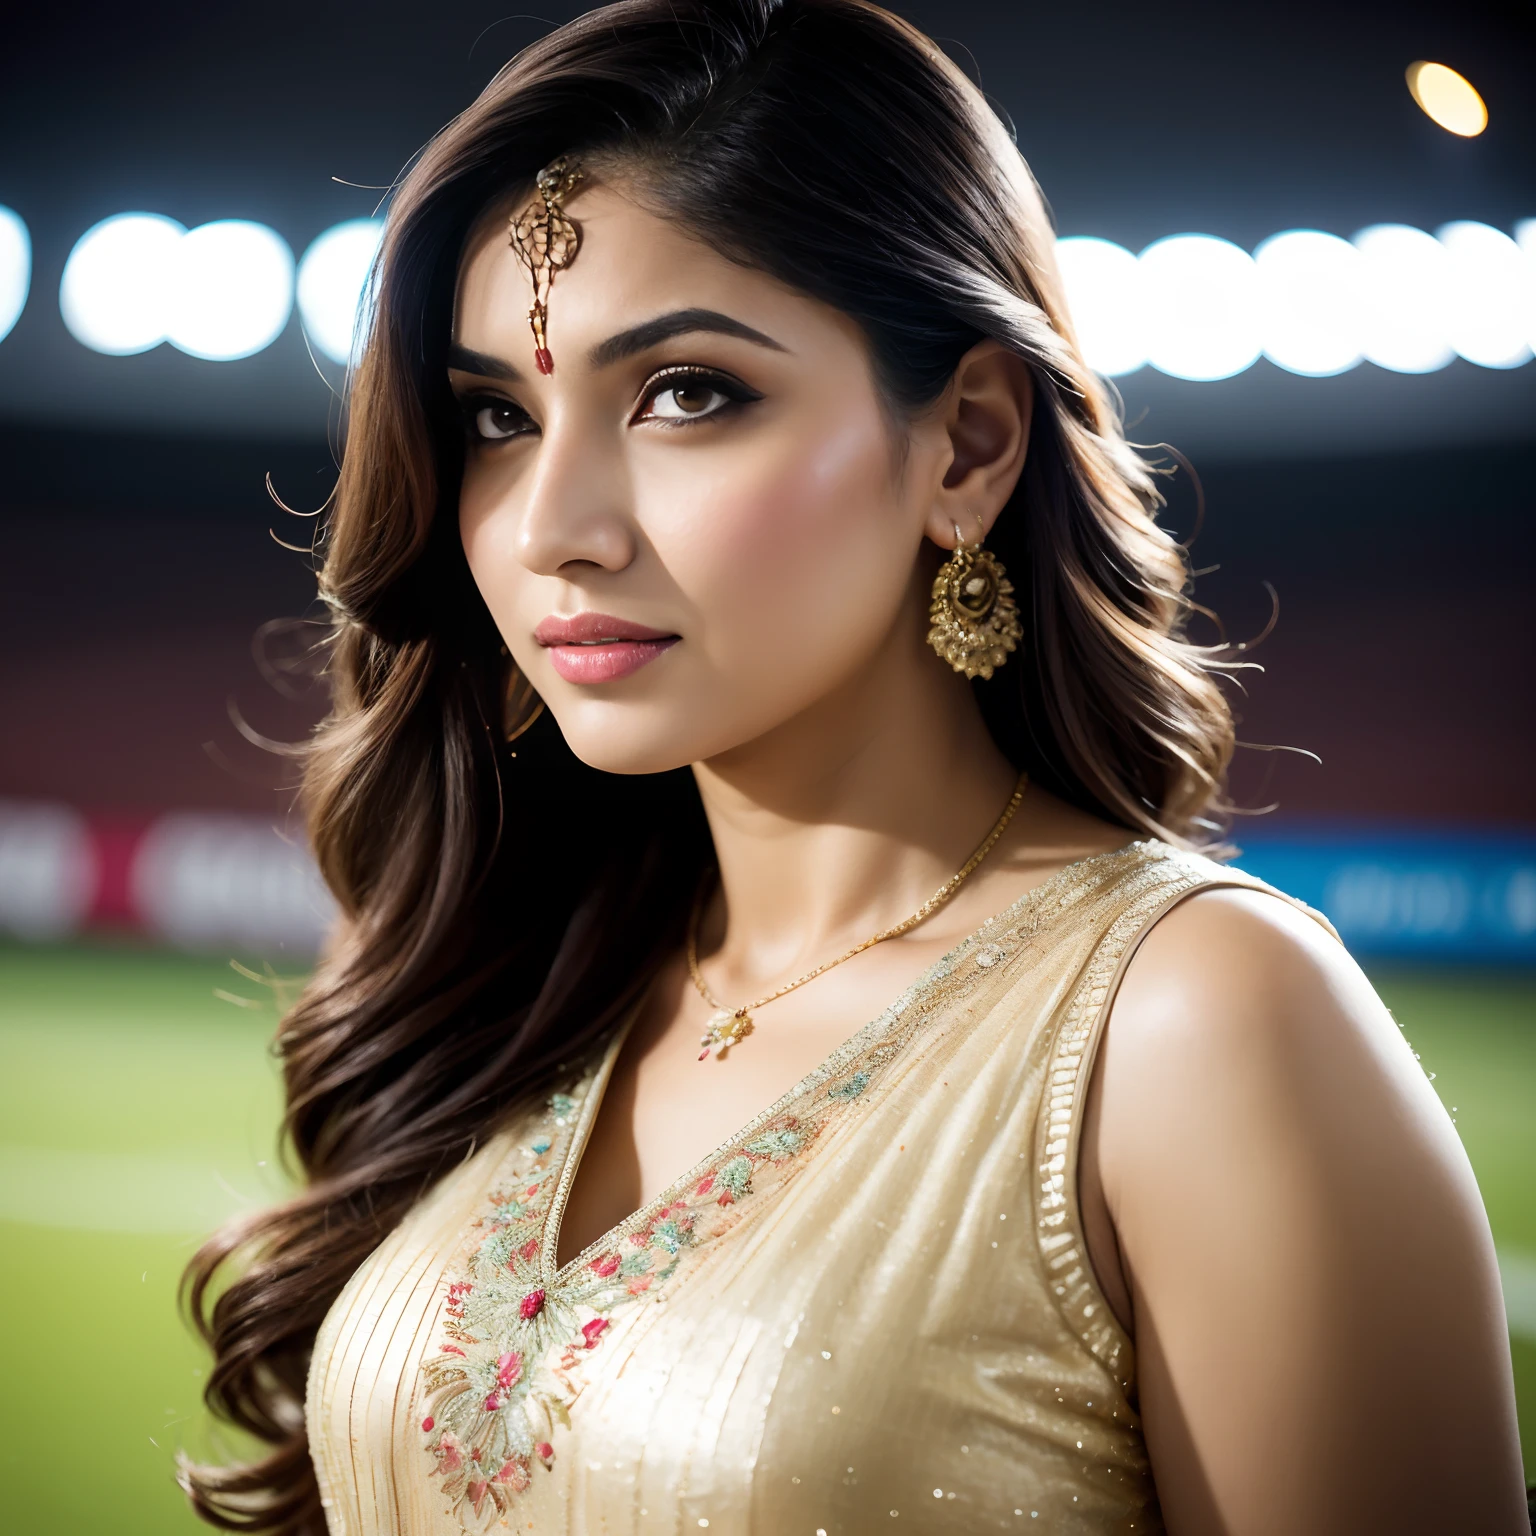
494 421
684 395
678 402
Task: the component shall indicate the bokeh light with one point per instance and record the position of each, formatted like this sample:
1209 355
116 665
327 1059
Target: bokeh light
1406 298
1525 238
221 291
1310 301
1104 295
1202 307
1492 296
15 268
1194 306
332 277
231 290
1447 98
113 295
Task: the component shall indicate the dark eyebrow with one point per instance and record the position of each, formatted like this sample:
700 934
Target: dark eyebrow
681 322
488 367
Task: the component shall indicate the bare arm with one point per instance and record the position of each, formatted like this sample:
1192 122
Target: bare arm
1319 1329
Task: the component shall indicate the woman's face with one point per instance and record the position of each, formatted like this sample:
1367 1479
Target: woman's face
698 527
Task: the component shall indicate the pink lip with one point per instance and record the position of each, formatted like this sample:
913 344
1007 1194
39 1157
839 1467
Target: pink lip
597 648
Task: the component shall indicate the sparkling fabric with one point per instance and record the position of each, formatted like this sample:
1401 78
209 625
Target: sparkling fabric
871 1310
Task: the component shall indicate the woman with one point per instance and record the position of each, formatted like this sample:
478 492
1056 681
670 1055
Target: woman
771 614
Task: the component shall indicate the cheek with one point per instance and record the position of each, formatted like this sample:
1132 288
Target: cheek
783 523
487 536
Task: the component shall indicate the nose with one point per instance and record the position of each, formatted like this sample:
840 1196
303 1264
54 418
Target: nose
579 508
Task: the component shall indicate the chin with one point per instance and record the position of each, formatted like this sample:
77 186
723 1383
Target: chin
629 739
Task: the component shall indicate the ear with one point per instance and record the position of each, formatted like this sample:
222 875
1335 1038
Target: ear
985 416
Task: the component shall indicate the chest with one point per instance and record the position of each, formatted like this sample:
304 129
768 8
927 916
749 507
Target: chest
872 1296
664 1108
846 1309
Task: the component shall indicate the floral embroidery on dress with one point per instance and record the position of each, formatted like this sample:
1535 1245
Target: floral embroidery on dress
509 1366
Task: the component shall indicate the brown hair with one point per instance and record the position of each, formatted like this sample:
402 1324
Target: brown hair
501 911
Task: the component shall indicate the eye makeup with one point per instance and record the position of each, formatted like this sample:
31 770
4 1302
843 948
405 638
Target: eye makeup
688 392
675 396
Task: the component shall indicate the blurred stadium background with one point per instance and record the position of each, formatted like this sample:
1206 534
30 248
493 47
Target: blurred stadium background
1359 400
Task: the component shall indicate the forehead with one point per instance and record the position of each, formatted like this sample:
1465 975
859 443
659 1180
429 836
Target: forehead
632 264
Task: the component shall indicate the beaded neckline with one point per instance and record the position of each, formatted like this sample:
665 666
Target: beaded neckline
831 1067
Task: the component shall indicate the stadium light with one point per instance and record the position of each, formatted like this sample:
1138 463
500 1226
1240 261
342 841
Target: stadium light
231 290
1447 98
1104 294
1493 299
114 289
1406 298
333 275
1311 300
1525 238
1194 306
221 291
1202 307
15 268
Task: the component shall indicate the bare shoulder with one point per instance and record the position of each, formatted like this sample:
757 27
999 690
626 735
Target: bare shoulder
1233 974
1244 1022
1237 944
1300 1237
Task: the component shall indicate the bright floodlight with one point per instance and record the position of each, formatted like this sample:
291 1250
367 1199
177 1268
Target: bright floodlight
1448 98
232 290
1525 238
116 281
332 276
1202 315
1405 298
1310 299
15 269
1103 283
1493 301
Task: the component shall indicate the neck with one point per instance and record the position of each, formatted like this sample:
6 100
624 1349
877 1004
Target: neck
847 818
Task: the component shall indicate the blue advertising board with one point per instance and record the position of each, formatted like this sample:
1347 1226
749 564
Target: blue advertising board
1419 895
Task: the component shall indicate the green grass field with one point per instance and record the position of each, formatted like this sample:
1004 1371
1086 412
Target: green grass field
137 1108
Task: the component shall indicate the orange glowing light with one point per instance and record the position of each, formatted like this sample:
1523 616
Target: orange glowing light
1449 99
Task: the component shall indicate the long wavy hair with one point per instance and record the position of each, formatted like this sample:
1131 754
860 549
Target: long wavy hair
503 905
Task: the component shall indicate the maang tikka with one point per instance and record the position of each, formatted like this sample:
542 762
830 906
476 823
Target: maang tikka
974 617
546 242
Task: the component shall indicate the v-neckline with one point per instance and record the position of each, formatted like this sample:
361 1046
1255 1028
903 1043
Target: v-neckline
580 1134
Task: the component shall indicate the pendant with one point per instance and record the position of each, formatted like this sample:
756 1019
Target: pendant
727 1028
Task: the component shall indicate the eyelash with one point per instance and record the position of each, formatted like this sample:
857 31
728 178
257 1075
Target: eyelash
470 408
735 392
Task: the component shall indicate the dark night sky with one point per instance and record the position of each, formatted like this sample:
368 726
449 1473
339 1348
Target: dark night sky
1138 119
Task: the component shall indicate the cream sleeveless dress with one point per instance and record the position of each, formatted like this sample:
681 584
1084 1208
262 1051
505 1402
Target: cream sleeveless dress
870 1310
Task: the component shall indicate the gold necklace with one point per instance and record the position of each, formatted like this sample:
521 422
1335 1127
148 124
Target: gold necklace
730 1026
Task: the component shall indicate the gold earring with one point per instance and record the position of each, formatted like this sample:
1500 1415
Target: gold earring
975 619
